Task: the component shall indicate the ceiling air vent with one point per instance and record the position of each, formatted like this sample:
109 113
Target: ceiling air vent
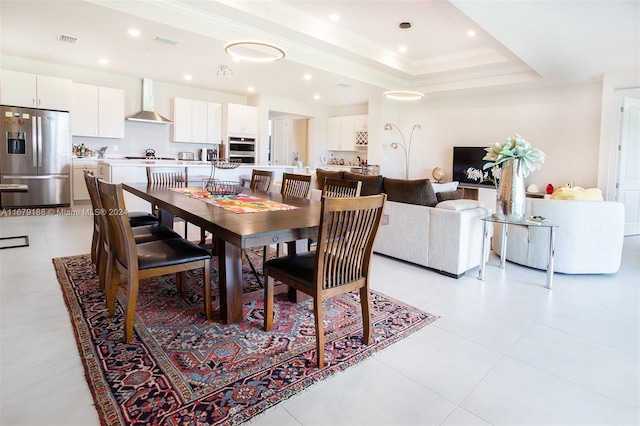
67 39
167 40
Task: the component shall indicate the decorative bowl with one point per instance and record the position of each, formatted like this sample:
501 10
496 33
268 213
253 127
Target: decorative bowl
221 187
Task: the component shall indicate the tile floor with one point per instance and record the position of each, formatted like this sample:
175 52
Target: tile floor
505 351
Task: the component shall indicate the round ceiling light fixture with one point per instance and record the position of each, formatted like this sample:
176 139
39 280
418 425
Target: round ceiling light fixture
254 51
403 95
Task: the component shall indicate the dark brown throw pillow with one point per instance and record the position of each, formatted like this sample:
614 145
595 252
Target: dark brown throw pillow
418 191
450 195
371 185
323 173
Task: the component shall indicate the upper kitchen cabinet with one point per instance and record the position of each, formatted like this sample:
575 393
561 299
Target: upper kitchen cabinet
97 111
196 121
34 91
242 119
342 133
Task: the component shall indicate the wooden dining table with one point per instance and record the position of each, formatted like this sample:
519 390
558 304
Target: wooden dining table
232 232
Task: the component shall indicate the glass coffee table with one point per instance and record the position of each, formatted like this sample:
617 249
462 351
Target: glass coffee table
540 223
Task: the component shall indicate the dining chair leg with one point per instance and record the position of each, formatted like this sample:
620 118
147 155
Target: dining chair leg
268 303
366 315
112 280
130 308
206 287
101 268
181 281
317 305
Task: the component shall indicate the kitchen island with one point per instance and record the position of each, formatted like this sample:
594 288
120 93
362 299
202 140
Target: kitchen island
118 170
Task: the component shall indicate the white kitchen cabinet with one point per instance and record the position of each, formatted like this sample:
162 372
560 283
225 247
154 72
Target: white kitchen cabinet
361 123
242 119
97 111
334 141
196 121
341 133
79 186
34 91
214 122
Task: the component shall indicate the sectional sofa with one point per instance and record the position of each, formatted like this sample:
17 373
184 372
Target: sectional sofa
439 230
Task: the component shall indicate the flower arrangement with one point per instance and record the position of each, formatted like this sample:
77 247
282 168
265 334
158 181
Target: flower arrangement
514 147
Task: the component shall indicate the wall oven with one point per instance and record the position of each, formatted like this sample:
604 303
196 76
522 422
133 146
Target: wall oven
242 149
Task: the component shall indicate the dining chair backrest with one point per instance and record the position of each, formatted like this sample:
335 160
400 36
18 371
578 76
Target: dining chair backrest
92 188
338 188
348 227
168 176
120 237
295 185
261 180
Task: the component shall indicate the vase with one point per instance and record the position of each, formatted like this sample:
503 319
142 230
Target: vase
511 191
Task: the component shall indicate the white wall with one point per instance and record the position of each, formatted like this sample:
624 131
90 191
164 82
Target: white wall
564 122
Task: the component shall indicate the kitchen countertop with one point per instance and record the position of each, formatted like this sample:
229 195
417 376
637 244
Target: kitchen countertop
168 163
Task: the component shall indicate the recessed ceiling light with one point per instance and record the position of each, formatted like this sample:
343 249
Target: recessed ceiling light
134 33
471 33
316 97
403 95
334 17
307 77
402 49
254 51
251 89
187 77
103 61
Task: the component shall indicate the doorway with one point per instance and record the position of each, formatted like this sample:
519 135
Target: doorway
627 183
289 135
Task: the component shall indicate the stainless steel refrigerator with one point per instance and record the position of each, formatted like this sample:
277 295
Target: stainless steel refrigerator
36 151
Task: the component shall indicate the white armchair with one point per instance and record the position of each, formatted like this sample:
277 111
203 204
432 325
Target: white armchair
588 241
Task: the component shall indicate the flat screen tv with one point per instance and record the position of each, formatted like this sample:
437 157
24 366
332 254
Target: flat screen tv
465 157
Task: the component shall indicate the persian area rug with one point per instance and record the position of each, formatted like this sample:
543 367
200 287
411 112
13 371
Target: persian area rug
184 369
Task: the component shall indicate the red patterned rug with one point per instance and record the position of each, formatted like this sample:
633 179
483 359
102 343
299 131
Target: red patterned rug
183 369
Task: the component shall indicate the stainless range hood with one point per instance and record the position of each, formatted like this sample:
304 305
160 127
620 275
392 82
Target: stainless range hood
148 115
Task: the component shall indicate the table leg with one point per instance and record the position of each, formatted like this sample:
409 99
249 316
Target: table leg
485 246
230 281
503 247
552 250
166 218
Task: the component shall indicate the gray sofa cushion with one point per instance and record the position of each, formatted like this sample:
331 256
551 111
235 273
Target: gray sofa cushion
371 185
418 191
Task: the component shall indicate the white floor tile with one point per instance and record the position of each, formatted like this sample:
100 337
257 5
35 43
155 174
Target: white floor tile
480 323
595 325
602 369
372 394
515 393
447 364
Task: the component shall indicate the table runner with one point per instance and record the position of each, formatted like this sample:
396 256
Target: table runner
240 203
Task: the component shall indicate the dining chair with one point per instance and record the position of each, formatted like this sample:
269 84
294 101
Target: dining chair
336 188
261 180
145 260
295 185
340 264
99 245
168 176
